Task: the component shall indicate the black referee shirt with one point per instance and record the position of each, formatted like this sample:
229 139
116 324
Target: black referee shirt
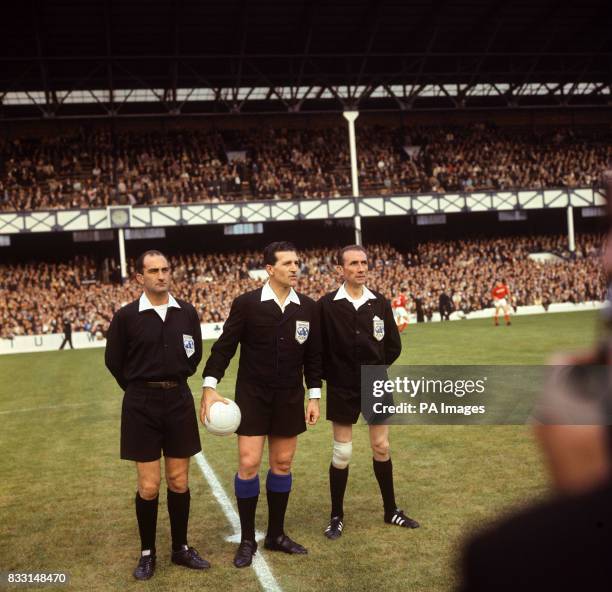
277 349
140 346
349 339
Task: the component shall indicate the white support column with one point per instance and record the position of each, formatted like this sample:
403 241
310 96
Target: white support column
350 117
122 260
571 239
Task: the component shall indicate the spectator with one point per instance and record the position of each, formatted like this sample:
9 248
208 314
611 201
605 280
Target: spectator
34 298
94 169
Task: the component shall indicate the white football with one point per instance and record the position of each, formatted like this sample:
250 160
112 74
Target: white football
224 419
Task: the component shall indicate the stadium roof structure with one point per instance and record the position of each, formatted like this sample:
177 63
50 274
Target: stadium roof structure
65 58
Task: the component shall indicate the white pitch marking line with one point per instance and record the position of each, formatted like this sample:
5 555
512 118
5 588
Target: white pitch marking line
262 570
42 408
235 538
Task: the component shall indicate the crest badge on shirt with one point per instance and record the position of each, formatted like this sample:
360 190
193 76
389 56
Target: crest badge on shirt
302 329
379 329
189 345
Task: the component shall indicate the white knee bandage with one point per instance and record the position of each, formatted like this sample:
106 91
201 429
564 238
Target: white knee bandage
341 455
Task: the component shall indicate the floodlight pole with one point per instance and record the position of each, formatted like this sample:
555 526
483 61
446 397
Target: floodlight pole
571 238
122 260
350 117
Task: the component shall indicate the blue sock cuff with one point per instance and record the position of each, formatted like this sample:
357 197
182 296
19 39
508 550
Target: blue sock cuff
278 483
246 487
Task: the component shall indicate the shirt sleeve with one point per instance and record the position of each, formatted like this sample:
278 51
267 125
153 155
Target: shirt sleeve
225 347
195 360
313 357
314 393
116 346
393 342
210 382
323 333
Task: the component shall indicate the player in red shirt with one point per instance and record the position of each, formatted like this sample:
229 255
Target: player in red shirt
400 314
399 301
500 294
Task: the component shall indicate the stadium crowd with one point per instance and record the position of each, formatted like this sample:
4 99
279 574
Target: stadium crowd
36 297
94 168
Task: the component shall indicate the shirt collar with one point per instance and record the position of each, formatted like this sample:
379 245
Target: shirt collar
342 293
145 304
267 293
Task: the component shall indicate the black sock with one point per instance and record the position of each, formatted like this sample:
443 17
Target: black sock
146 514
383 469
337 487
277 506
278 488
178 510
246 510
247 494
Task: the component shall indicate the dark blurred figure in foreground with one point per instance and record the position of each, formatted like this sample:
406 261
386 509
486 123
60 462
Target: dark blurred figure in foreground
564 543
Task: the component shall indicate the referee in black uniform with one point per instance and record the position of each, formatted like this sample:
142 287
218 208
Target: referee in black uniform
67 334
357 328
153 345
279 336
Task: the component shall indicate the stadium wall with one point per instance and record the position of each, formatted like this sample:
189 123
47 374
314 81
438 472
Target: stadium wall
83 340
210 214
402 232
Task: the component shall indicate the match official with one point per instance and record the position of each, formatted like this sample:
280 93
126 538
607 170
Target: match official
153 345
67 334
357 328
279 336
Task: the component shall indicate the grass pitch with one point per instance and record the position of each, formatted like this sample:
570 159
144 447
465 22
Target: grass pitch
66 500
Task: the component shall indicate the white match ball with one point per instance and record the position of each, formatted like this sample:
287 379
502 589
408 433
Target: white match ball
224 419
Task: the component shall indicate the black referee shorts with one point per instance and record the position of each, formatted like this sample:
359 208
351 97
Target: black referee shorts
158 420
343 405
270 411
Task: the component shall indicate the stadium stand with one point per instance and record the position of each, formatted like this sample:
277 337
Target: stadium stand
94 168
36 297
145 104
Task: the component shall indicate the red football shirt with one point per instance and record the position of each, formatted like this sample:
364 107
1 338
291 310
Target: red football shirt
399 301
500 291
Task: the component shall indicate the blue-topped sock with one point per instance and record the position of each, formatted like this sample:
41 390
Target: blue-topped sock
247 494
278 488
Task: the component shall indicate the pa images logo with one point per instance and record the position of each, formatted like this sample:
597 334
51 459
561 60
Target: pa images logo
302 329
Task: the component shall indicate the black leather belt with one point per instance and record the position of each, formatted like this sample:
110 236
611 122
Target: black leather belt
158 384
